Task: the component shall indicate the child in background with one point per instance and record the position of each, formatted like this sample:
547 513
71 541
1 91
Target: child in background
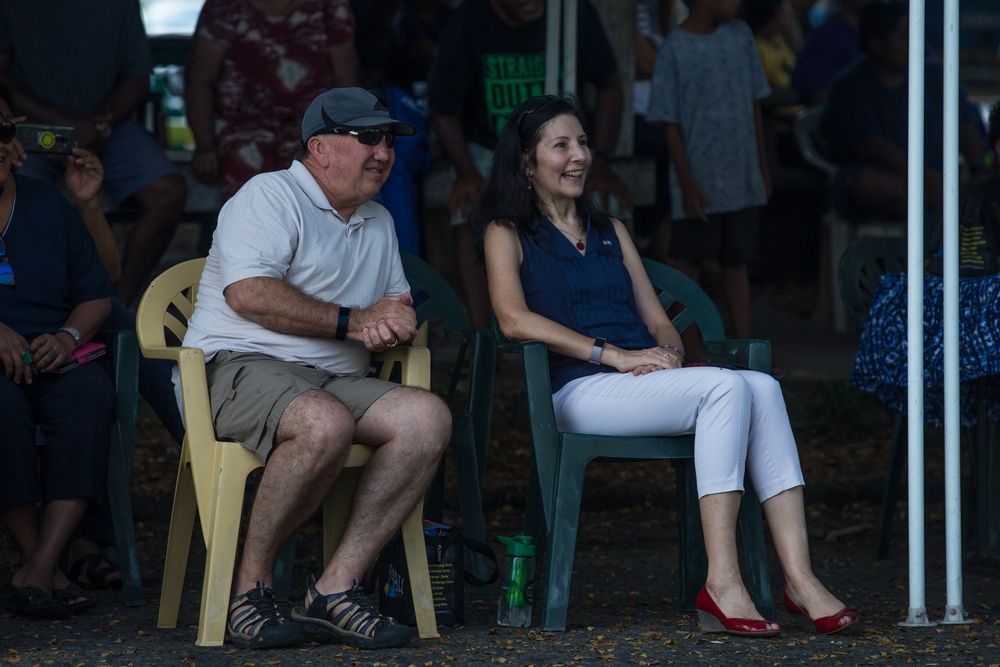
707 87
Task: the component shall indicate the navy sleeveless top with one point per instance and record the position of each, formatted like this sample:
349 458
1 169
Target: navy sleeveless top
591 294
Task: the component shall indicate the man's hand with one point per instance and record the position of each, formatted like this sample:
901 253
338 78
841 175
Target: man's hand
87 135
205 165
605 183
464 193
13 348
84 175
387 323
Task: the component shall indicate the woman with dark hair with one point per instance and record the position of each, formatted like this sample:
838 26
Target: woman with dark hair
561 272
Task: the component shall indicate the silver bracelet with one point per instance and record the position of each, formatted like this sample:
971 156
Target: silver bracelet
72 332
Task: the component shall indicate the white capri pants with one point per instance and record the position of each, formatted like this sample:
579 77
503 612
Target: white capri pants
738 419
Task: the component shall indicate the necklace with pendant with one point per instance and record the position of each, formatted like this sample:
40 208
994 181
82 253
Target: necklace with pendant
580 245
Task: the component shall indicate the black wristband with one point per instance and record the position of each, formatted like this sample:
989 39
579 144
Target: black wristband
342 319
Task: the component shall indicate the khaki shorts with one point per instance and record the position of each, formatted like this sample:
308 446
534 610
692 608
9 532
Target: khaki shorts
250 391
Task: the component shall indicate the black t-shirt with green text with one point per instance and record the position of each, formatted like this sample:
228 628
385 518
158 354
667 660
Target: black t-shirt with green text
485 68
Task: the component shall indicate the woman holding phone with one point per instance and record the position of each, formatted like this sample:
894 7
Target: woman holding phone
54 296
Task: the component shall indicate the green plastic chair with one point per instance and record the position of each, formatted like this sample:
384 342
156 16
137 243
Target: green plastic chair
435 299
123 354
560 461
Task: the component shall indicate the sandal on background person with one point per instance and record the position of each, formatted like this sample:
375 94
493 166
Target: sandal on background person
357 625
94 572
65 597
33 602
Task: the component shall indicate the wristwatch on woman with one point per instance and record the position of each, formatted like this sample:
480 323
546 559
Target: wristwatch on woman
595 354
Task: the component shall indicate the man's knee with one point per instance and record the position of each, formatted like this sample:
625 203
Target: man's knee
166 192
427 420
318 425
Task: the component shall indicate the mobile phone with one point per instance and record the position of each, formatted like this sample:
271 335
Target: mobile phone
47 139
82 355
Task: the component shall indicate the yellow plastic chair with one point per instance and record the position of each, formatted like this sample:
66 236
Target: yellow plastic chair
211 475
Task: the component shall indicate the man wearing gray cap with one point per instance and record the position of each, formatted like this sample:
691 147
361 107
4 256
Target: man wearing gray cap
302 283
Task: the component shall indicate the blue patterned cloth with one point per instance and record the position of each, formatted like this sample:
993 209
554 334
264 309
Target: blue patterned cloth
880 366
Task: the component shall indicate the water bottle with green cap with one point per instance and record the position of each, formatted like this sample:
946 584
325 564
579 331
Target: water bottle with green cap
518 586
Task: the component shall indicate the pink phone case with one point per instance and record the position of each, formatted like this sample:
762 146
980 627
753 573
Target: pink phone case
82 355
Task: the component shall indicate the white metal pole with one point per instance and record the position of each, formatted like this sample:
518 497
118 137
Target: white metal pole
569 46
553 18
953 613
917 612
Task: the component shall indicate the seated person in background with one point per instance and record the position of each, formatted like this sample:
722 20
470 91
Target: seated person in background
827 50
54 295
302 283
87 64
491 57
768 19
978 219
865 122
564 273
253 69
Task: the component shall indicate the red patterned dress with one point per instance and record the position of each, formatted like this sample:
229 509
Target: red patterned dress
274 66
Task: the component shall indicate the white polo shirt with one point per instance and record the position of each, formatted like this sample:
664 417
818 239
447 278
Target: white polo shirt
281 225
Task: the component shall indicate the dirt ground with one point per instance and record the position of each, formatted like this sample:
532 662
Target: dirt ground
623 607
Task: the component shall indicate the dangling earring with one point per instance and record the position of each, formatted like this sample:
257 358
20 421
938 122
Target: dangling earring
529 181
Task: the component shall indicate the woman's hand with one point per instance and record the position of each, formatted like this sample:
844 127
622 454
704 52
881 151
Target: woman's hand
641 362
84 175
14 355
51 351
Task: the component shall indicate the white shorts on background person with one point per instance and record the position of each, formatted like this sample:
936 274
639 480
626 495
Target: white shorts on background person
738 418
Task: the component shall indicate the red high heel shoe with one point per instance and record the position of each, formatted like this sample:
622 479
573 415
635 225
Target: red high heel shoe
712 619
828 624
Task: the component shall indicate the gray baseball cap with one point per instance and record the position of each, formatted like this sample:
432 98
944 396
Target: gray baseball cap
350 108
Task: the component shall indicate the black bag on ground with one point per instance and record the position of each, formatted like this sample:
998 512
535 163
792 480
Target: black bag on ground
446 561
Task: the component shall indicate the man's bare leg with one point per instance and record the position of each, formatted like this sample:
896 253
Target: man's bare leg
313 440
409 428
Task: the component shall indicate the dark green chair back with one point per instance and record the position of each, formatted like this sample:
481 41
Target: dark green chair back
861 267
560 461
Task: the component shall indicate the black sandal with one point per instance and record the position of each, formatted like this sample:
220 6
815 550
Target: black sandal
93 572
358 625
36 603
61 595
259 625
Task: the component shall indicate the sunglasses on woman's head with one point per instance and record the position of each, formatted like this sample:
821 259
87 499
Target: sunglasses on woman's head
6 270
542 101
369 136
8 131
